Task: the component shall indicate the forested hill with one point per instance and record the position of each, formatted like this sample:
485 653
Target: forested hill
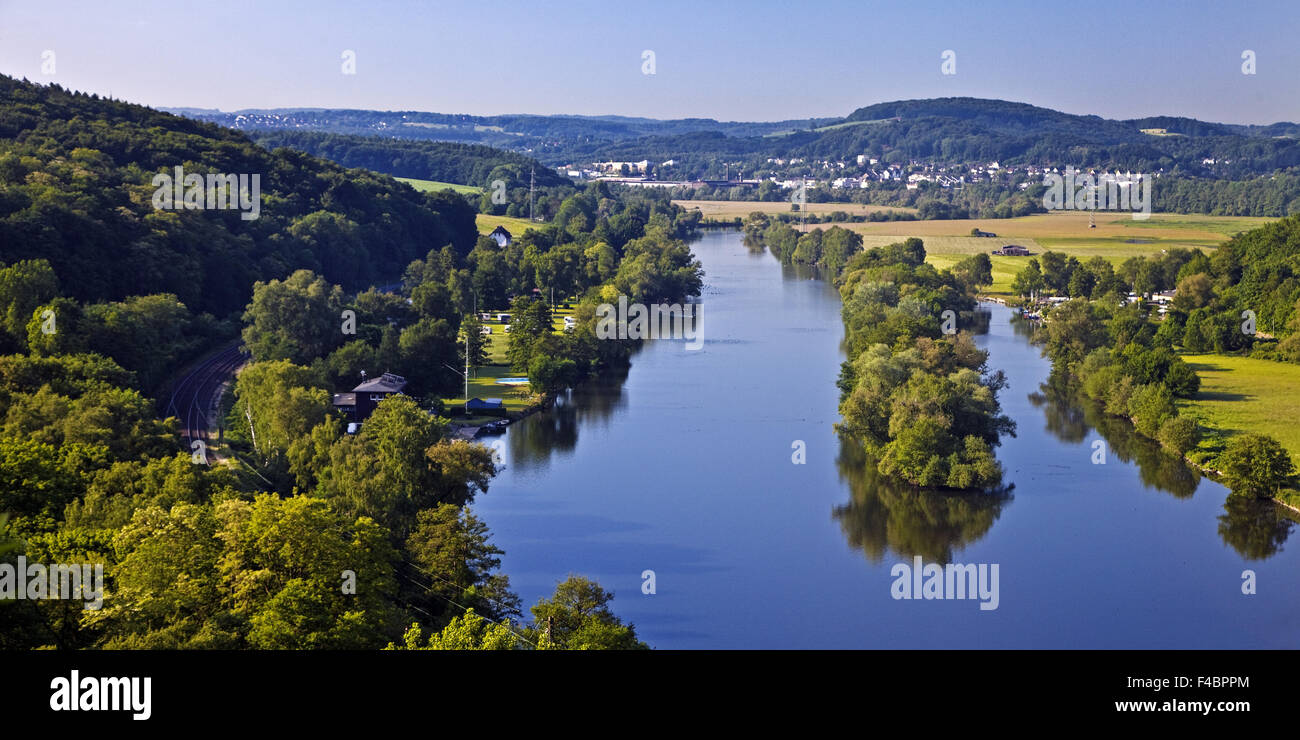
76 174
465 164
940 131
973 130
556 134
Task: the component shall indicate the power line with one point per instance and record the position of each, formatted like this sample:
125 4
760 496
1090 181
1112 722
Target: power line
429 589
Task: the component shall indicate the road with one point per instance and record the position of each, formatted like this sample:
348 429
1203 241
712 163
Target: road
196 397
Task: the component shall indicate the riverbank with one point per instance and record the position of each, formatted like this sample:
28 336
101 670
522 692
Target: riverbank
1235 394
685 468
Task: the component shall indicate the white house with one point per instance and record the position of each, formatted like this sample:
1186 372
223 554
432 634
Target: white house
501 236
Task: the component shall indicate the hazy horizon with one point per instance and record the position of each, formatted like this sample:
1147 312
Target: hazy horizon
765 62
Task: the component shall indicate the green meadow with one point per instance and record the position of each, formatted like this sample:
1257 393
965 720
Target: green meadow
434 185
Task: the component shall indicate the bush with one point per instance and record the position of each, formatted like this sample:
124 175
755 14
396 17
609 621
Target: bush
1149 406
1179 434
1255 464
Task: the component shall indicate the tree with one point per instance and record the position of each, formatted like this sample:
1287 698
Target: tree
530 319
458 562
383 472
1057 269
467 632
277 403
1194 291
1073 330
284 566
299 319
427 347
475 353
550 374
974 271
1255 464
1029 281
24 286
578 617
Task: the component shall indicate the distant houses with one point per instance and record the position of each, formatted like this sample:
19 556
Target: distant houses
361 402
1012 250
501 236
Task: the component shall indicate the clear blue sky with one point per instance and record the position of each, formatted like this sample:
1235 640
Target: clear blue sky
736 61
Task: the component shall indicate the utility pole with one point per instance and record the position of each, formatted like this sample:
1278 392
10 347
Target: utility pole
465 373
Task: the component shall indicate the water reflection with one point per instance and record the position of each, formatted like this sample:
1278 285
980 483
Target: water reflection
1255 528
1072 419
883 516
534 440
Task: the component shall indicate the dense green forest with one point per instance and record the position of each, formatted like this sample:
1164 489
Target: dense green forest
75 190
317 539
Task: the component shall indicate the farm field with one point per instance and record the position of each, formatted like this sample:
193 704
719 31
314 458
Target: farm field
1069 232
434 185
728 210
1117 237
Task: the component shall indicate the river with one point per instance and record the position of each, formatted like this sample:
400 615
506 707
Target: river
685 469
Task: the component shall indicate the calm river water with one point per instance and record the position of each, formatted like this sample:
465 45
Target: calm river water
685 469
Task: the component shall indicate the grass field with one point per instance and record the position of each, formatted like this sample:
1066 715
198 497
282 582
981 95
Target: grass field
482 381
434 185
1240 394
483 384
728 210
516 226
832 127
498 340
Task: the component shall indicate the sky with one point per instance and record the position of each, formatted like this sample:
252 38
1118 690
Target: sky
746 61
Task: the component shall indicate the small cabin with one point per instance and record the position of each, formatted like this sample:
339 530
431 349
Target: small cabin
501 236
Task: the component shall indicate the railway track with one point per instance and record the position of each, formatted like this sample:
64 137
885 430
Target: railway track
196 397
